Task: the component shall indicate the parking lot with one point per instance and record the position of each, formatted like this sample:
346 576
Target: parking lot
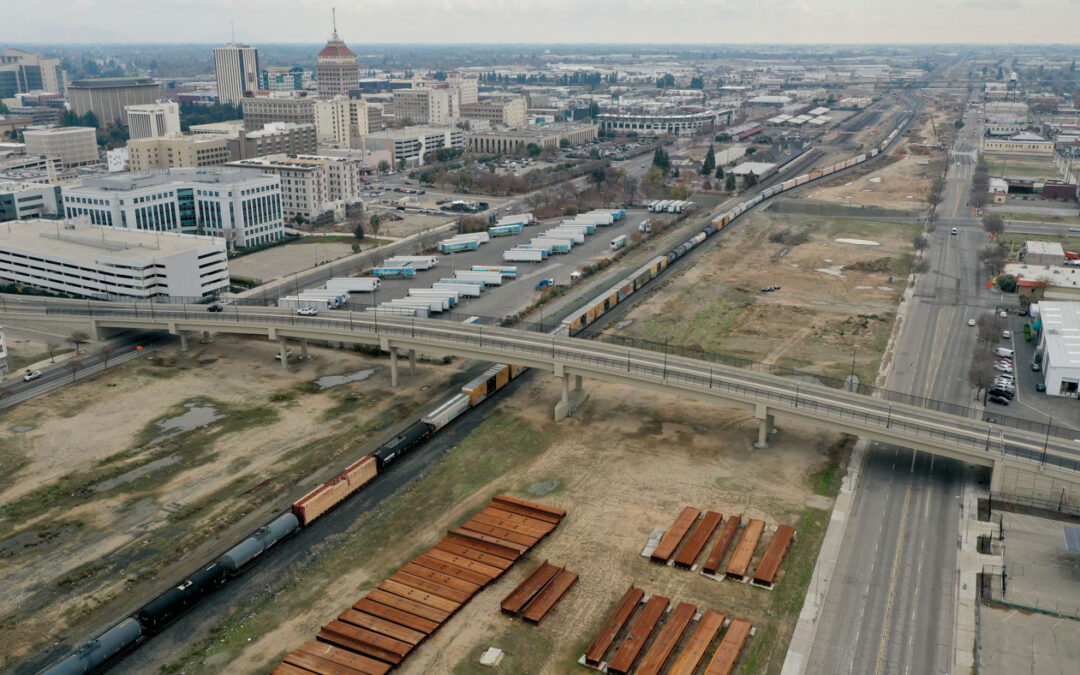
514 294
1029 403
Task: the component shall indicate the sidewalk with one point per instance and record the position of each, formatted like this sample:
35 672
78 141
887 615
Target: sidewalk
971 562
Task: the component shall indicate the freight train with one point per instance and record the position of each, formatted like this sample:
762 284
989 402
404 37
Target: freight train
603 303
160 611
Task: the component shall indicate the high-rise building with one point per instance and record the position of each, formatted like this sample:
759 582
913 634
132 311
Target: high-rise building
22 72
236 68
336 69
262 110
437 106
507 112
153 119
107 97
242 206
341 120
284 78
73 146
175 151
277 138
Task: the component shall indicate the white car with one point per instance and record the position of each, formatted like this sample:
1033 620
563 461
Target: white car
971 322
1006 335
1002 368
31 375
307 311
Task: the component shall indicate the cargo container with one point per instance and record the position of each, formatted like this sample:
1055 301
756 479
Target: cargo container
505 270
353 284
420 262
395 271
523 219
464 289
619 242
504 230
494 379
455 246
329 494
264 538
525 254
447 412
574 235
554 245
489 278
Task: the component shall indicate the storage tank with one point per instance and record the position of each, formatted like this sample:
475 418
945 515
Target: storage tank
264 538
92 654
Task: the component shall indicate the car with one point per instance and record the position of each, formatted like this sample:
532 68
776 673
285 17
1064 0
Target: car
1040 386
1023 311
1003 314
1036 367
31 375
544 283
1074 229
1003 367
216 307
971 322
307 311
1000 400
991 419
1006 335
955 231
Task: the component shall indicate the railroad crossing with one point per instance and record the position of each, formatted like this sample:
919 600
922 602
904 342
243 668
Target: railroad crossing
1048 461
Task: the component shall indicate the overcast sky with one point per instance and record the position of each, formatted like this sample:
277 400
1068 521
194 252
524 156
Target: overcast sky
548 21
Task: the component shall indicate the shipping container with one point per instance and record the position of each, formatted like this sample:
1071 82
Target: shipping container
353 284
504 230
494 379
329 494
396 271
420 262
523 255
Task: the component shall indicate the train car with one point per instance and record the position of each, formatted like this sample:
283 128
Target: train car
493 379
698 238
264 538
397 446
96 652
710 230
815 174
447 412
179 598
859 159
803 179
788 184
334 491
624 288
873 152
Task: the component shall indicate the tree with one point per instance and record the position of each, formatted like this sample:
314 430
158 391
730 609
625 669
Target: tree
922 242
709 164
680 191
729 183
384 166
77 338
3 109
105 352
750 179
665 81
594 110
74 365
719 172
52 347
750 151
994 257
374 223
697 82
981 372
358 232
533 149
1007 283
993 224
564 143
921 266
653 183
661 160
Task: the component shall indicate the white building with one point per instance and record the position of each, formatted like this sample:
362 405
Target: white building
117 160
23 201
73 146
236 68
109 263
409 145
311 183
437 106
340 120
150 120
1060 347
241 206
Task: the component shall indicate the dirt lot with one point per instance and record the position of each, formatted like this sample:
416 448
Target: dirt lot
834 296
177 462
622 467
901 184
281 261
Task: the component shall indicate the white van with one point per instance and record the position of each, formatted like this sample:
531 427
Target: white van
1002 351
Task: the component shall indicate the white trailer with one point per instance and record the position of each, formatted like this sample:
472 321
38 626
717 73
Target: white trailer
523 255
523 219
505 270
481 237
433 305
420 262
653 205
450 296
557 245
576 236
588 225
463 288
353 284
389 310
334 298
294 302
489 278
594 217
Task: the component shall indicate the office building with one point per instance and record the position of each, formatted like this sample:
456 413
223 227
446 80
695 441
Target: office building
73 146
39 115
108 263
107 97
1059 344
467 87
236 68
285 79
310 182
1035 252
1020 144
262 110
336 69
228 127
23 72
497 112
176 151
435 106
24 201
340 120
153 119
240 205
409 145
277 138
515 141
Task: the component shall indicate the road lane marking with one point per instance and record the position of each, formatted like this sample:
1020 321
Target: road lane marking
892 580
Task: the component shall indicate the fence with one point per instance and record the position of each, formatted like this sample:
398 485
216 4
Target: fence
1057 509
995 591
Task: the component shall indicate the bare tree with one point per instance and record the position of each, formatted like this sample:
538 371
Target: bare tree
105 351
74 365
922 242
921 266
77 338
981 373
994 257
993 224
52 347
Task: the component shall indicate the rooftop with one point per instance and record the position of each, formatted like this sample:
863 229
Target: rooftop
58 131
756 168
1045 248
1061 332
103 82
410 132
69 239
336 49
145 179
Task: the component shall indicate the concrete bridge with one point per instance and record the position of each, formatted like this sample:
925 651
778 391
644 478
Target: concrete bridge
1048 460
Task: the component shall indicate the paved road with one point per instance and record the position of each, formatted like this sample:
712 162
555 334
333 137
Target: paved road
891 602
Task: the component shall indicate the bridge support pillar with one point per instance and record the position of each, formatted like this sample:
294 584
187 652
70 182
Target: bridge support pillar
183 341
997 475
303 349
570 399
765 421
284 353
205 338
393 367
412 361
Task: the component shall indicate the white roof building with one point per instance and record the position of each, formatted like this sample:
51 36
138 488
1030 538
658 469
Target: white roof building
1060 347
65 256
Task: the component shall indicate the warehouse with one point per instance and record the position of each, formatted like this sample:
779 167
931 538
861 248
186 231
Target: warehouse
110 263
1060 347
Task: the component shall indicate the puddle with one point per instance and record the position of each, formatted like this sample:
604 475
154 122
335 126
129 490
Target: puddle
135 474
544 487
13 546
23 429
328 381
197 417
